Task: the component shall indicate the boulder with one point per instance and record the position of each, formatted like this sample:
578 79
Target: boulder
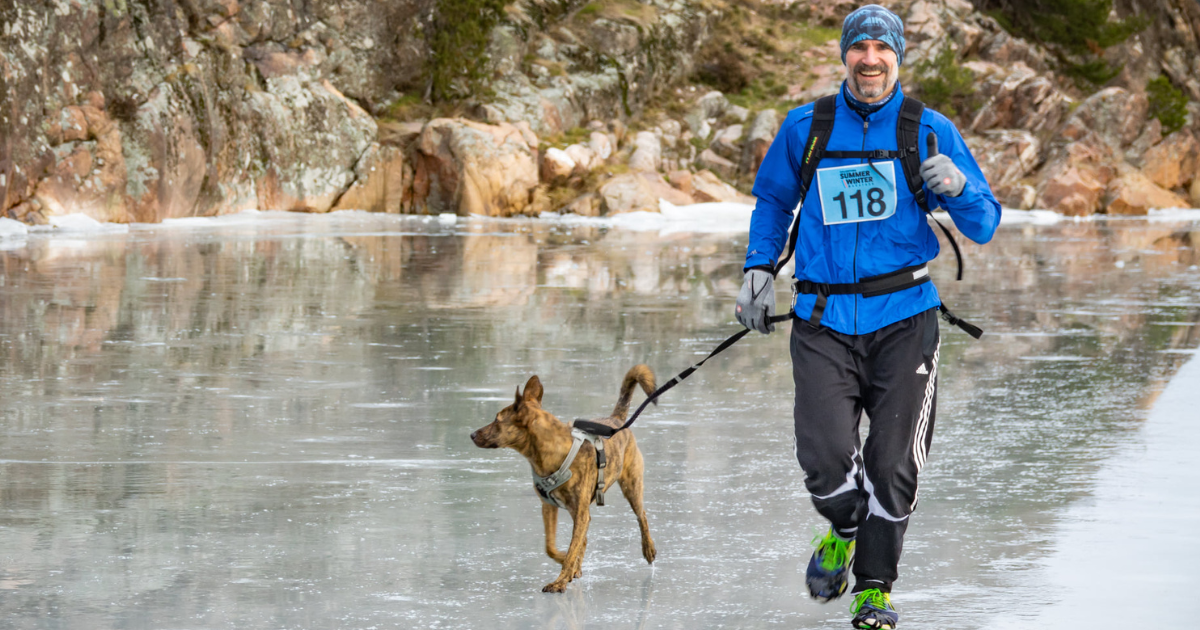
728 142
584 157
709 188
711 105
1006 157
382 178
1075 181
681 180
758 139
600 144
647 153
556 164
586 205
710 160
466 167
1173 162
738 113
1023 100
1116 115
1135 194
633 192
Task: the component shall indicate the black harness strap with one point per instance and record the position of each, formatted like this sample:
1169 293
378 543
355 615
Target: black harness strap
908 132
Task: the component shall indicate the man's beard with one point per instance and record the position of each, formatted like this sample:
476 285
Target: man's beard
877 87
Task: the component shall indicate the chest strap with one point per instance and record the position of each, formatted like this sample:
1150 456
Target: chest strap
873 286
899 280
545 485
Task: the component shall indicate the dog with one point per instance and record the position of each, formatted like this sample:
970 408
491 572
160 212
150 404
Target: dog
545 441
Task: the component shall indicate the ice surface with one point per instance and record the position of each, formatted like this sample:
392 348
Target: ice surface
1123 556
262 421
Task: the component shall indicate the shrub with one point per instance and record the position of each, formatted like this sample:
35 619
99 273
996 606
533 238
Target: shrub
1167 103
461 29
943 84
1077 31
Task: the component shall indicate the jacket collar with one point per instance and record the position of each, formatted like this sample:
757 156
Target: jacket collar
889 110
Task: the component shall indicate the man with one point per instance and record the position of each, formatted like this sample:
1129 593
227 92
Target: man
860 229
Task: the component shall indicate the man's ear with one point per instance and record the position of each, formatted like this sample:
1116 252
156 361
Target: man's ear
533 390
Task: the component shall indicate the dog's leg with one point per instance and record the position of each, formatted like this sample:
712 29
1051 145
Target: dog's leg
572 565
631 487
550 520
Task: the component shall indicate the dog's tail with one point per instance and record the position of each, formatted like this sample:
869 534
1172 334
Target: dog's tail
640 374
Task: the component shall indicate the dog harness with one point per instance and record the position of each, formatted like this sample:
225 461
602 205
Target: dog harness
545 485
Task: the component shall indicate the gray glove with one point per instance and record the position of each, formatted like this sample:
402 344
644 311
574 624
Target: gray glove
939 172
756 301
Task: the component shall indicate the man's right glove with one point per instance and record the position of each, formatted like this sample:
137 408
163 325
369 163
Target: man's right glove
756 301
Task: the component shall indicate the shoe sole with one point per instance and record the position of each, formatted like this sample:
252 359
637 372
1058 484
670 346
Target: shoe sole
823 597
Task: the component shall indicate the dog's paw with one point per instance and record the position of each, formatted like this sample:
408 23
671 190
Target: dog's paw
648 551
578 574
554 587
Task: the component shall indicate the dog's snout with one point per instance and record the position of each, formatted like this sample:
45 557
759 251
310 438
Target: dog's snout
473 434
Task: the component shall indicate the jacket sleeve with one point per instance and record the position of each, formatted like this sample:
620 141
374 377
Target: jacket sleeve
975 212
777 187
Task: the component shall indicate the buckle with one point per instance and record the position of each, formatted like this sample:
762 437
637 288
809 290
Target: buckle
879 154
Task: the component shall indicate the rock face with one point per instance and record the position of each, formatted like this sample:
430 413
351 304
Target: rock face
159 110
142 110
138 110
466 167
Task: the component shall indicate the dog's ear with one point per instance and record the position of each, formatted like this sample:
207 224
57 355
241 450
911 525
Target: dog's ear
533 390
517 402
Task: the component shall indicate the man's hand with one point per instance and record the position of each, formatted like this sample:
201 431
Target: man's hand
939 172
756 301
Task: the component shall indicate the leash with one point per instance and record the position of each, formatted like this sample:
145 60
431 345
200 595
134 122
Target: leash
604 430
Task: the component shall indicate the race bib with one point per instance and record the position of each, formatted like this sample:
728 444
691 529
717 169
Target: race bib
858 192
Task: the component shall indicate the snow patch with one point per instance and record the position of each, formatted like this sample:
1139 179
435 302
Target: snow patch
10 229
79 224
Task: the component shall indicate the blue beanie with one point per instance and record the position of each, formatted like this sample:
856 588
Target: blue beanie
873 22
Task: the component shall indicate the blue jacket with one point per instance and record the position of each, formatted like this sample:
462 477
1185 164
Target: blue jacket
848 252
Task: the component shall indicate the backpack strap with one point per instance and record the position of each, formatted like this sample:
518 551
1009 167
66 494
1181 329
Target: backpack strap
908 135
818 137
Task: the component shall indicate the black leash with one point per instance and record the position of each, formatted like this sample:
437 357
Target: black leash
604 430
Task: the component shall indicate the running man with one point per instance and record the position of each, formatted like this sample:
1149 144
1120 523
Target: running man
865 315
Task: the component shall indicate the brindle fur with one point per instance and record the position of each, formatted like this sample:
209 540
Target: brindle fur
544 440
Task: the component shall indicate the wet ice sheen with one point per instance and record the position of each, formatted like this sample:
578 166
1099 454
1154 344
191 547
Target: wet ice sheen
260 421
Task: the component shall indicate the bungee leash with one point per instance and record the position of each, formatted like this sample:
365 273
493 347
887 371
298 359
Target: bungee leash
887 283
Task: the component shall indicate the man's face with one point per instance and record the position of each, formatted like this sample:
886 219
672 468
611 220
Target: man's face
871 70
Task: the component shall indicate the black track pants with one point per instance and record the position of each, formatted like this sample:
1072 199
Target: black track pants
866 490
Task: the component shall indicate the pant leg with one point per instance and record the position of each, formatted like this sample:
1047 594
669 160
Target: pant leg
900 399
828 407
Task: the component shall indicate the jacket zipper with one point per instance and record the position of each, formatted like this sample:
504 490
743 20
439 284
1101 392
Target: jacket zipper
854 260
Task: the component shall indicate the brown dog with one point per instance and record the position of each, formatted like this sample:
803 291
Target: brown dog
545 441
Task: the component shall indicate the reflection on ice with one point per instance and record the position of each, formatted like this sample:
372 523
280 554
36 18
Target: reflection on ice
261 421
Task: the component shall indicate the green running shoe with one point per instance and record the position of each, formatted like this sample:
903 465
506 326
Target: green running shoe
873 610
829 567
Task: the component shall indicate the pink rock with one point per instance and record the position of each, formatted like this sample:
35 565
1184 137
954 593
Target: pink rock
1173 162
1134 194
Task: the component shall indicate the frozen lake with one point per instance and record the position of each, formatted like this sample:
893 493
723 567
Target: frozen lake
262 421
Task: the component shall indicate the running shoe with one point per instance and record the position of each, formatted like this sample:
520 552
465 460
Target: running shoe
829 567
873 610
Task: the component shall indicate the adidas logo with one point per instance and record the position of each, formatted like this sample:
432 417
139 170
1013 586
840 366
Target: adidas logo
921 369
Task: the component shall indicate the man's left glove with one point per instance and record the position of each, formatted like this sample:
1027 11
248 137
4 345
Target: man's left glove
756 301
939 172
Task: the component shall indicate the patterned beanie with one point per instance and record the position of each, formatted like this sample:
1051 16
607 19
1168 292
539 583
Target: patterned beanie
873 22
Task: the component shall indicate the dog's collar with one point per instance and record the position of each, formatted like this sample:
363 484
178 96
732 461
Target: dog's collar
545 485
